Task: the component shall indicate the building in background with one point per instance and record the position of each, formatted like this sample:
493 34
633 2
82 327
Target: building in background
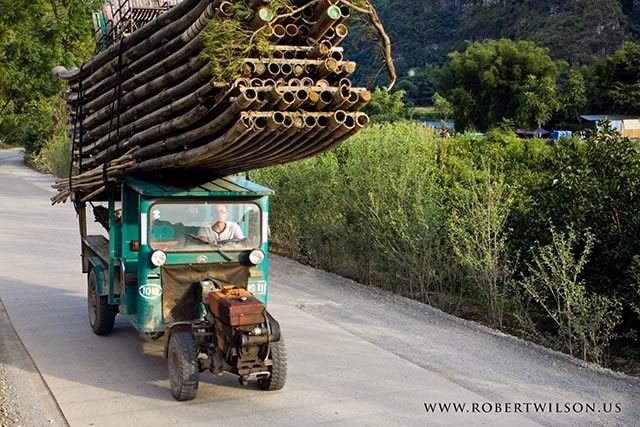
628 126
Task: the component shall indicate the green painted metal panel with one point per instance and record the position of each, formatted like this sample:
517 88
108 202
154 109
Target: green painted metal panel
149 316
259 285
130 232
102 287
230 186
115 247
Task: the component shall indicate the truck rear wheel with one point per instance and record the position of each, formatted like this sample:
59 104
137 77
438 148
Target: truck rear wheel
184 369
102 315
279 368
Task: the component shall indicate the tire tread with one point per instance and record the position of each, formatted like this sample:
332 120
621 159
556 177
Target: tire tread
278 376
183 343
105 312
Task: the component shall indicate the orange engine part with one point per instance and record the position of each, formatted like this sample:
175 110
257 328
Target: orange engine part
236 307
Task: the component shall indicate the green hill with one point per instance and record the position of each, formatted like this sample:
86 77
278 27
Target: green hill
423 32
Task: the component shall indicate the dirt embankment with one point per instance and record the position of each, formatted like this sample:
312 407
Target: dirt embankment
25 399
4 419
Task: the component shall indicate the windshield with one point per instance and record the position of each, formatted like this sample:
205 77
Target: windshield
204 226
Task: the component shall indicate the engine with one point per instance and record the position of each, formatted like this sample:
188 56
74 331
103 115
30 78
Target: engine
241 331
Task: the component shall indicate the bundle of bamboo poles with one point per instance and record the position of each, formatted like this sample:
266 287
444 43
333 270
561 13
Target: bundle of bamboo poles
151 105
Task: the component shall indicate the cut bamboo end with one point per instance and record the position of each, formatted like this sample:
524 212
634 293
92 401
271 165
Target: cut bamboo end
262 17
278 32
340 32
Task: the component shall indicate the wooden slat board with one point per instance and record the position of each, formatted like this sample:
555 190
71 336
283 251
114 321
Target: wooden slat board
99 245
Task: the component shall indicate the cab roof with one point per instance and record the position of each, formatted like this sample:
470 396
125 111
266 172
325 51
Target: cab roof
228 186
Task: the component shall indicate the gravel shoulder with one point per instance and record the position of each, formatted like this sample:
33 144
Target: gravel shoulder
25 399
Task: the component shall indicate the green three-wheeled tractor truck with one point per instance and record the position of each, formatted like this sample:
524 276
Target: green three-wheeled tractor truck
190 264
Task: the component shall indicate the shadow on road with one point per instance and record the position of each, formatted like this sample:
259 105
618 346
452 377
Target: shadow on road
53 324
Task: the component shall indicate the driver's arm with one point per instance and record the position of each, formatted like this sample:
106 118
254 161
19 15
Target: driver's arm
204 234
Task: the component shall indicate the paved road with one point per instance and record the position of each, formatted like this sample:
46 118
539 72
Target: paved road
357 356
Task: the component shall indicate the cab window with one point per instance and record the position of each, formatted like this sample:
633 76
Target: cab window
204 226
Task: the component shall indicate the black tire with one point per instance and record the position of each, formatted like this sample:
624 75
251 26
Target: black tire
278 370
184 370
102 315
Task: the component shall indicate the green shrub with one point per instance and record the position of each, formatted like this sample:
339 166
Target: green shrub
477 230
306 213
589 184
634 273
584 322
386 106
397 205
54 157
49 148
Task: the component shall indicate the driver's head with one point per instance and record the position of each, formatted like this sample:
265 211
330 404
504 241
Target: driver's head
221 213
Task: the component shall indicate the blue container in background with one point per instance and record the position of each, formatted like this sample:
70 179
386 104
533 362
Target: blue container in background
558 134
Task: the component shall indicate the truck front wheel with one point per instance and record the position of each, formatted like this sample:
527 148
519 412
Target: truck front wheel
278 369
102 315
183 363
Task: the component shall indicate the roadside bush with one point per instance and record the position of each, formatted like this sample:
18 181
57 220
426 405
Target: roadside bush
634 273
584 322
373 210
397 205
306 209
47 145
54 157
590 184
477 230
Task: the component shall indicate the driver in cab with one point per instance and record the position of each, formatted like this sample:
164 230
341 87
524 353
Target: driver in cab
221 230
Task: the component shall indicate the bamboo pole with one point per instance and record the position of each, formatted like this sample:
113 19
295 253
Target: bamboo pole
153 94
152 69
243 102
155 44
136 37
324 20
173 161
340 32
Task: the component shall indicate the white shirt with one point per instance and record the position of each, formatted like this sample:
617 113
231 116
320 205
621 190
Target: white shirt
230 231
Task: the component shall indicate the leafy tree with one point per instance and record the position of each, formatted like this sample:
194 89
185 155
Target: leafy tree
615 81
35 36
418 85
387 106
442 106
539 100
500 79
574 94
